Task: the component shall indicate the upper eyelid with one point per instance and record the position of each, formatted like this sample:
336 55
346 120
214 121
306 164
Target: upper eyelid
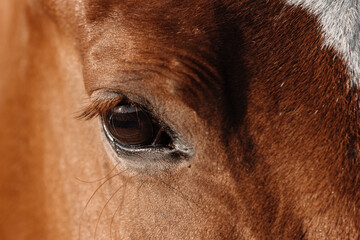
103 100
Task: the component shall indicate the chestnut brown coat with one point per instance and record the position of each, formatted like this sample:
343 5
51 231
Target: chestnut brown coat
268 116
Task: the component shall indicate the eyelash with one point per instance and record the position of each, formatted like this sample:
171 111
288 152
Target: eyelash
98 107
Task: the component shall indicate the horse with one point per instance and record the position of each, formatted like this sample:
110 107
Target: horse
184 119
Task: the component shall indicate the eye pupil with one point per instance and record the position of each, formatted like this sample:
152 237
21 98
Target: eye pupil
129 125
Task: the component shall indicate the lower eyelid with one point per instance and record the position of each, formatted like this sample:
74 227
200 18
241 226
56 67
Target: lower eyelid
152 156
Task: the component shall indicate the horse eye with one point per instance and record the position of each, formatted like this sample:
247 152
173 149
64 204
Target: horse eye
132 126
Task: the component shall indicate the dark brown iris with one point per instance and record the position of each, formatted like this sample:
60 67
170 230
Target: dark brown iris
129 125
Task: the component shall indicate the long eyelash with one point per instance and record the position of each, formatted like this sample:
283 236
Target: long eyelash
98 107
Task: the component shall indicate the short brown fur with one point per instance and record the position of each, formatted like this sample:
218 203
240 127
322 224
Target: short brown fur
269 111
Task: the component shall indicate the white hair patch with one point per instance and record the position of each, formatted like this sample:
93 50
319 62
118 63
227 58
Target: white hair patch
340 26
